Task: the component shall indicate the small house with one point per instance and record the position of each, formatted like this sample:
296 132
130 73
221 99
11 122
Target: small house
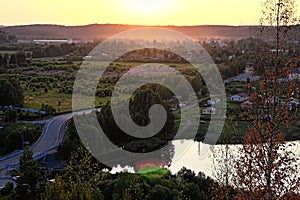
209 111
240 97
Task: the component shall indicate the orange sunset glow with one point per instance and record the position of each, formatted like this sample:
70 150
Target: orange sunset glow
138 12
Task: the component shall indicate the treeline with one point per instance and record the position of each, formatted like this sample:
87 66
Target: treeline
13 60
232 57
86 179
24 54
79 50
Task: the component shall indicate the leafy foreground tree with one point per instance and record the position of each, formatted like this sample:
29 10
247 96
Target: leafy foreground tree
266 167
80 180
30 182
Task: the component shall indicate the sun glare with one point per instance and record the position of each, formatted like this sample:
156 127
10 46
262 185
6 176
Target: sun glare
148 7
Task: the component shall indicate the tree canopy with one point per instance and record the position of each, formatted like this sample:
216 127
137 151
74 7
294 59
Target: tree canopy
11 93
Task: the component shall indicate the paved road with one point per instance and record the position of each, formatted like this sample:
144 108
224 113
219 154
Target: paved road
242 77
188 122
49 141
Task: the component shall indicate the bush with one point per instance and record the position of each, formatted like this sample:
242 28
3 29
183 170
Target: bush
10 115
7 189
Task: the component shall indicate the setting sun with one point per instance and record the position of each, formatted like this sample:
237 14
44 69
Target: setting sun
146 7
147 12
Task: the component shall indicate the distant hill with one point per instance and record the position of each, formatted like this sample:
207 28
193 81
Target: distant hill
100 31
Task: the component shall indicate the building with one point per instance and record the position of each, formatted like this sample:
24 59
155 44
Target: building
213 101
272 99
182 105
209 111
51 41
246 105
240 97
57 41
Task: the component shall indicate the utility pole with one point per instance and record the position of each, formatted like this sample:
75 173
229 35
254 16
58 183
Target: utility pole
23 139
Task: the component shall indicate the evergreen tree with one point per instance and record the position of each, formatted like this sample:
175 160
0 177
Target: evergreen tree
29 183
5 60
20 58
1 61
13 59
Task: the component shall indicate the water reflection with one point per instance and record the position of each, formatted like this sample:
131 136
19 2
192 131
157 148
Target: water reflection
189 157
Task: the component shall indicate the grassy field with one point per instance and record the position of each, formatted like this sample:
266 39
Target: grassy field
36 99
153 172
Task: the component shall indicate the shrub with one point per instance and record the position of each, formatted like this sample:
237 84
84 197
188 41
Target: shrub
7 189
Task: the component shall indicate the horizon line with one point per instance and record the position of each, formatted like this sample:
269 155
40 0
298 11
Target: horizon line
54 24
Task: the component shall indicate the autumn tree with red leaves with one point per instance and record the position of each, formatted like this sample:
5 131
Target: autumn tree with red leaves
266 167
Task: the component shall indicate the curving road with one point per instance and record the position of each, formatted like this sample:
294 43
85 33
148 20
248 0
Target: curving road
49 141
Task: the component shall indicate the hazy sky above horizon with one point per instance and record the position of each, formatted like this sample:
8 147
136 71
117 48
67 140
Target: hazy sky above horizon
138 12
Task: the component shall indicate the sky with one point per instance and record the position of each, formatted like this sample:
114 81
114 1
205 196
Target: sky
137 12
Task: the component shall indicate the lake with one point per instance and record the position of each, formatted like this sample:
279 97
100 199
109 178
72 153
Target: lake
187 155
